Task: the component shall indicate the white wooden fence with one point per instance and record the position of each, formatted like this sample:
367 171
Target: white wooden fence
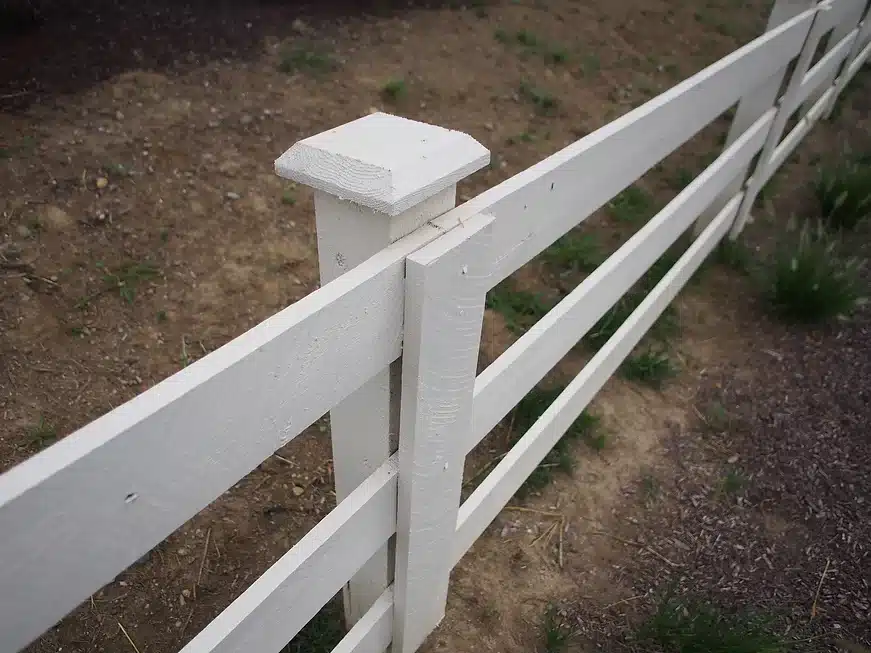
389 345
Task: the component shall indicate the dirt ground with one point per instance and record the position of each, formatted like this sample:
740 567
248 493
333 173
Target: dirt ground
143 226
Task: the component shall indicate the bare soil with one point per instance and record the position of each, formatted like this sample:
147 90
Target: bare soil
142 227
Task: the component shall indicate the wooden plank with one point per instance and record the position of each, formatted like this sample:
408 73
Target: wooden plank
118 486
791 141
500 386
446 283
500 485
755 103
373 632
283 600
857 57
537 206
824 71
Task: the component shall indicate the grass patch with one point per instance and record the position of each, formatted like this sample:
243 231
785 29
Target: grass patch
716 417
734 482
844 194
288 198
607 326
559 458
734 254
681 179
519 308
691 626
632 205
650 488
810 280
543 101
127 278
555 631
41 434
394 89
650 368
574 252
302 60
322 633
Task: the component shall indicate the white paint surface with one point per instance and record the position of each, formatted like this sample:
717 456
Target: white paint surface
500 485
383 162
279 603
446 283
499 387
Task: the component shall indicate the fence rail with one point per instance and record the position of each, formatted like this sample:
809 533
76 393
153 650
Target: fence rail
405 278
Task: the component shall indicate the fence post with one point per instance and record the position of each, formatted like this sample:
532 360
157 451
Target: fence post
788 104
752 106
839 32
376 179
446 284
862 39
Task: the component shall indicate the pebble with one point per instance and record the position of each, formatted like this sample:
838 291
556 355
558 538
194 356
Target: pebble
102 182
186 593
23 231
733 459
233 195
246 119
119 115
298 490
182 551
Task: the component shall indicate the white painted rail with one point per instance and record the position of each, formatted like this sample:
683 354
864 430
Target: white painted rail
389 345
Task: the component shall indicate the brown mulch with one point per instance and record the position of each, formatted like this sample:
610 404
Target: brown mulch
767 509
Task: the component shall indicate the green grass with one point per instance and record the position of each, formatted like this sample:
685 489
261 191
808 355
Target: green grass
322 633
555 631
543 101
522 137
734 482
519 308
650 488
288 198
844 194
688 625
650 368
716 417
161 316
127 278
310 62
574 252
632 205
810 281
528 410
526 38
590 65
607 326
734 254
681 179
394 89
41 434
551 53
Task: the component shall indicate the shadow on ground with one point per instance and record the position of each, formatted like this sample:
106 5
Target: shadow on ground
53 47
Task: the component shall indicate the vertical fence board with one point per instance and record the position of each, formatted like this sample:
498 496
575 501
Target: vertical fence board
446 283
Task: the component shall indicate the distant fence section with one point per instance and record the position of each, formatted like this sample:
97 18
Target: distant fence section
389 346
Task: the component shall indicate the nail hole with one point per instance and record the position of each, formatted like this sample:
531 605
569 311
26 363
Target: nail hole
130 498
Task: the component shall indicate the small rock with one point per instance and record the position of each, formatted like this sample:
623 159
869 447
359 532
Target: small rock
102 182
23 231
186 593
246 119
374 109
178 624
233 195
299 26
119 115
298 490
489 126
182 551
181 601
123 583
733 459
55 218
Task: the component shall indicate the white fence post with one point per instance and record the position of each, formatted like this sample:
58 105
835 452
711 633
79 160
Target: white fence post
827 17
753 105
858 49
376 180
840 30
446 284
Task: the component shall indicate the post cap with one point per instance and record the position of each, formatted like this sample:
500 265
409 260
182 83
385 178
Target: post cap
383 162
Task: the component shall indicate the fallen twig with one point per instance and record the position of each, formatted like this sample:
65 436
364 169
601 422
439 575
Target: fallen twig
203 561
621 601
123 630
819 587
